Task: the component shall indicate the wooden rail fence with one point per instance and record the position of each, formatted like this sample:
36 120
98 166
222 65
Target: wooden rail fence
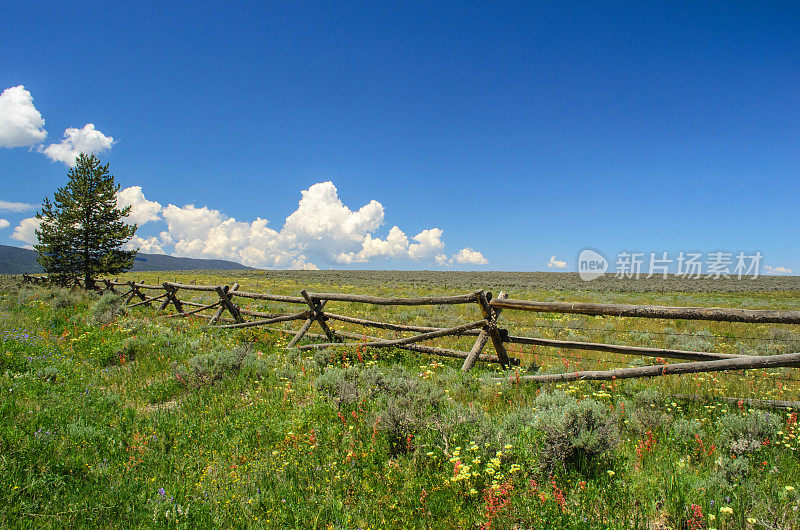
228 315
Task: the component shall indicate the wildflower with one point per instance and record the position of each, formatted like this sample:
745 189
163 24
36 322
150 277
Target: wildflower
610 473
751 520
789 488
726 509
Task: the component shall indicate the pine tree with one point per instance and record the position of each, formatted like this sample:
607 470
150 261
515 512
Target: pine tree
82 230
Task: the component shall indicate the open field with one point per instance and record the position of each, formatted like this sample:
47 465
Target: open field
132 420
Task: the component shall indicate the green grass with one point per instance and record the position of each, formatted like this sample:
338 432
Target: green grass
158 422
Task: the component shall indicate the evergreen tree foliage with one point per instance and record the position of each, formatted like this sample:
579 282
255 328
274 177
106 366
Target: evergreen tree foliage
82 229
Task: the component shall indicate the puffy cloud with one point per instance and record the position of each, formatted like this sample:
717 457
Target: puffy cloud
428 243
189 223
302 265
16 206
396 245
20 123
26 230
151 245
777 270
322 224
556 263
321 229
4 223
76 141
469 256
142 210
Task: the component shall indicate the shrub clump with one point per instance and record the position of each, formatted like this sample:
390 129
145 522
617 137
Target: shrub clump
648 414
577 435
743 433
127 352
687 431
207 368
404 405
106 308
60 298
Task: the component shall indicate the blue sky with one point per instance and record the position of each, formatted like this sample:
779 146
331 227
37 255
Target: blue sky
501 134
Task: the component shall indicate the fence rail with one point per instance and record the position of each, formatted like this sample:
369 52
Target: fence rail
485 330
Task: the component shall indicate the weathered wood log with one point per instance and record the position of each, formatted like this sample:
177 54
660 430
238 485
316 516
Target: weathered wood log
378 300
110 286
232 309
475 352
305 327
432 350
167 300
265 296
253 323
302 331
380 325
148 301
195 304
624 350
129 295
575 345
293 332
135 292
218 313
261 314
384 343
486 333
172 297
190 287
193 312
739 363
491 314
318 315
146 286
717 314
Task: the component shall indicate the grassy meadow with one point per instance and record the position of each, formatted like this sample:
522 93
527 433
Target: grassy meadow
120 418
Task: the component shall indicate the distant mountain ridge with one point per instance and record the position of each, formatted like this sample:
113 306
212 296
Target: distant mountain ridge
15 260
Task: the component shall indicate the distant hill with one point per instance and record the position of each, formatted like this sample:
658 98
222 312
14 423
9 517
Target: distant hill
15 260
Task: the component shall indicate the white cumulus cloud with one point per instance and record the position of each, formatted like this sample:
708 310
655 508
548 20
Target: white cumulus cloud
555 263
321 230
777 270
26 230
20 123
4 223
396 245
6 206
469 256
76 141
150 245
142 210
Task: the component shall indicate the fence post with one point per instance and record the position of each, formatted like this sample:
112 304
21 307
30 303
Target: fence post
318 315
172 296
315 310
227 304
109 286
130 293
489 331
221 308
